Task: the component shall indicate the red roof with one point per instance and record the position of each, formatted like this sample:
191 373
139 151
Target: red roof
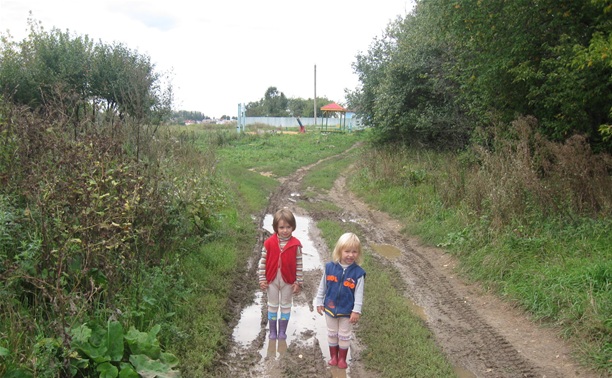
333 107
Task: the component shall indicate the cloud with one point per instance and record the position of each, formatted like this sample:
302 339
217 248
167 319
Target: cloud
146 14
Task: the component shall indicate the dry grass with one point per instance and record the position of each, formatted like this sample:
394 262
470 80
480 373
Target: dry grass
521 174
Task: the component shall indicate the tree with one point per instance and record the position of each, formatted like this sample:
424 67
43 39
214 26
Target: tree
48 70
406 94
451 66
60 72
273 104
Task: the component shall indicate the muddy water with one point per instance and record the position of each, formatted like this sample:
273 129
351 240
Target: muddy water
305 325
386 250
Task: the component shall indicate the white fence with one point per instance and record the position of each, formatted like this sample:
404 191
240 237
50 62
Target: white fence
283 121
350 122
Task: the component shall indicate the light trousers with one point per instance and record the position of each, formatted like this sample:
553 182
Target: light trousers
339 331
280 294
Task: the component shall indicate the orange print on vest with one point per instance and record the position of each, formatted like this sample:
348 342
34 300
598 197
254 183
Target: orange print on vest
350 283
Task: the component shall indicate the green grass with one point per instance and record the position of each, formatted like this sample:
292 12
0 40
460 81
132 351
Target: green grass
251 188
282 154
326 173
398 342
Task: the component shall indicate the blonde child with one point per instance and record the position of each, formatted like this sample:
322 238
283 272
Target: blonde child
280 271
340 296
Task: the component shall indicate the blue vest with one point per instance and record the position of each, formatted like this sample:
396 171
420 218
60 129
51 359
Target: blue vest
340 288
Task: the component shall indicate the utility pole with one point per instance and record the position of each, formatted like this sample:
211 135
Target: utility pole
315 95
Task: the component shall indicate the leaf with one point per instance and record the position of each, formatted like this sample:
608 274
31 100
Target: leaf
144 343
78 363
169 359
127 371
80 333
4 352
147 367
115 340
107 370
92 342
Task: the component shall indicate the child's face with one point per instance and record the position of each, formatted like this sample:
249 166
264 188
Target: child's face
349 255
284 229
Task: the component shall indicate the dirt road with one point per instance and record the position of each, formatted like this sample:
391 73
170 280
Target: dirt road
481 335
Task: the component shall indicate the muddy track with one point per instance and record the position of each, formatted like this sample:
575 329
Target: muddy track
478 332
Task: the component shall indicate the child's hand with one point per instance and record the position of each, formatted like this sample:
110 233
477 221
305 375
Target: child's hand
354 317
320 309
263 285
296 288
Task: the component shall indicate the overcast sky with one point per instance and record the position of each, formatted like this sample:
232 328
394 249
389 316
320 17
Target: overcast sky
221 53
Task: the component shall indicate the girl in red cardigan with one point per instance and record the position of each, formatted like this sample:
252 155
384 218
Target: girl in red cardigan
280 271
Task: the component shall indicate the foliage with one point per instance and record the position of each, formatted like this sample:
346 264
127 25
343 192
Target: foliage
273 104
181 116
113 353
96 204
449 67
83 82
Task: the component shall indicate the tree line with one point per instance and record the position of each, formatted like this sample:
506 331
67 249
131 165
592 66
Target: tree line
274 103
449 68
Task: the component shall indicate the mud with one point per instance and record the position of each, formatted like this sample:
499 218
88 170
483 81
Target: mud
481 335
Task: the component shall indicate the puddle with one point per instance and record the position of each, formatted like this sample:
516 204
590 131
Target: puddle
463 372
250 319
417 310
304 325
386 250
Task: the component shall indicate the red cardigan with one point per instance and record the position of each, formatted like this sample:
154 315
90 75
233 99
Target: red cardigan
287 257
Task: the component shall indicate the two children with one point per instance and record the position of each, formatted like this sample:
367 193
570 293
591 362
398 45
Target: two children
340 292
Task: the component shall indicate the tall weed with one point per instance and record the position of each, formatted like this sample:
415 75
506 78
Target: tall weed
519 174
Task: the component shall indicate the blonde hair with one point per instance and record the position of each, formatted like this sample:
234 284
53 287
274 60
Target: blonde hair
347 241
285 215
